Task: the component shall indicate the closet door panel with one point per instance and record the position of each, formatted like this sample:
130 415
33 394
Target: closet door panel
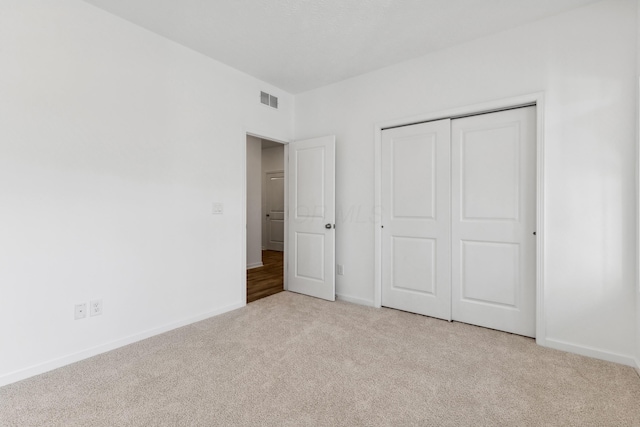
415 216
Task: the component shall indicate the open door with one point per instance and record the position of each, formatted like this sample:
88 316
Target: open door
311 236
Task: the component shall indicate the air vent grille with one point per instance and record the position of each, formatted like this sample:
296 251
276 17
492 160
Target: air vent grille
268 99
264 98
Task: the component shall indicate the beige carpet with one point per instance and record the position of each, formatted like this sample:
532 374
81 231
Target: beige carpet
290 360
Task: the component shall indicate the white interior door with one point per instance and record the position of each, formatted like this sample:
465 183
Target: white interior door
311 235
493 222
274 218
415 218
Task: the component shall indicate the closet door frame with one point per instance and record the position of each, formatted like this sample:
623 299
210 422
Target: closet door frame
536 99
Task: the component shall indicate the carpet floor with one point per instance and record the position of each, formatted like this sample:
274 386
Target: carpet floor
291 360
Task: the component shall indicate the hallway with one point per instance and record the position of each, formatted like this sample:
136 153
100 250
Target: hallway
266 280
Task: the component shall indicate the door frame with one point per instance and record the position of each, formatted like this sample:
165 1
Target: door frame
536 99
243 261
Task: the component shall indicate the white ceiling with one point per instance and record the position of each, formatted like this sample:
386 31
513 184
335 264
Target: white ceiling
298 45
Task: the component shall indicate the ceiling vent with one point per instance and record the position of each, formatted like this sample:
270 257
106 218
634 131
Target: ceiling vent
268 99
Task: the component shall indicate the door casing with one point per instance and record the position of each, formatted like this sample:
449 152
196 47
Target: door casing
536 99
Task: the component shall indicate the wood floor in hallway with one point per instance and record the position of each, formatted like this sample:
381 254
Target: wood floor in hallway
266 280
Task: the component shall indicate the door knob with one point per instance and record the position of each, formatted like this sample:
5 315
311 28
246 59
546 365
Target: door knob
267 215
327 226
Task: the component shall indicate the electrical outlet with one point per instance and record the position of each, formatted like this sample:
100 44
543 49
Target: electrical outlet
340 270
95 307
218 208
80 311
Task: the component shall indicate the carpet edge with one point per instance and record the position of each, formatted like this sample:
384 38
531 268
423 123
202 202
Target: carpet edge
40 368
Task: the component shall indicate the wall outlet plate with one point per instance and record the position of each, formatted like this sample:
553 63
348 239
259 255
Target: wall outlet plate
218 208
80 311
95 307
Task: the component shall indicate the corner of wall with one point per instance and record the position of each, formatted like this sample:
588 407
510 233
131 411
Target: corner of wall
637 282
61 178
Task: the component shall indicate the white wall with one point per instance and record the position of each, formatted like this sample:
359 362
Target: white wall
585 62
254 202
114 143
638 192
272 160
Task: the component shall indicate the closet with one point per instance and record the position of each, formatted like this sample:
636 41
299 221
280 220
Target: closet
458 218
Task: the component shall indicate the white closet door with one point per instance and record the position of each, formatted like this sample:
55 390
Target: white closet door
493 220
415 217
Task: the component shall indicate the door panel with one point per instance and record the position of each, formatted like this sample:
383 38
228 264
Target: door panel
490 173
490 273
415 219
311 257
414 172
493 206
413 258
275 211
310 172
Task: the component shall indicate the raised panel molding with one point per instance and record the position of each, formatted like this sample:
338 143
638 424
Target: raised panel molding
311 244
418 260
310 169
490 174
414 168
493 262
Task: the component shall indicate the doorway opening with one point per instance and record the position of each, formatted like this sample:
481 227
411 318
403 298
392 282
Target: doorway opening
265 217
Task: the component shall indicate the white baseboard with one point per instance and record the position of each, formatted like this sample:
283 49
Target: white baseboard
590 352
355 300
638 366
41 368
255 265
